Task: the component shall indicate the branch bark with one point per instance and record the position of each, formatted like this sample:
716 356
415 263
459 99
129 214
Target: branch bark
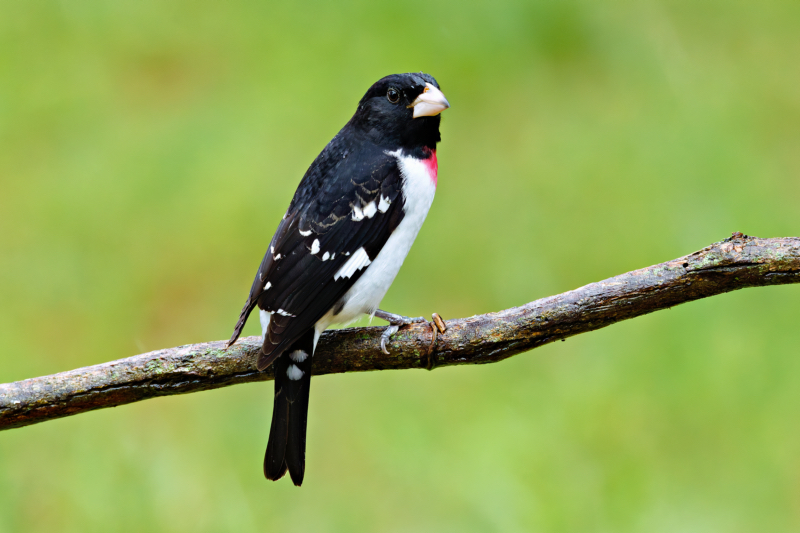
734 263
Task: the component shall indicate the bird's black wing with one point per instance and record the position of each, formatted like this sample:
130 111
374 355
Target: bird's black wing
342 214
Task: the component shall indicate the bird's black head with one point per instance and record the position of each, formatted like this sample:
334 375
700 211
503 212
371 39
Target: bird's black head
402 111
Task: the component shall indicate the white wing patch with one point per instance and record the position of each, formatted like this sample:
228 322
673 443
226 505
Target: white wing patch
359 260
367 211
305 233
315 246
383 206
358 214
326 256
370 209
267 286
284 313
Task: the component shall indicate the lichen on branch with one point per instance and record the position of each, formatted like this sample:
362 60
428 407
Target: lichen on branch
735 263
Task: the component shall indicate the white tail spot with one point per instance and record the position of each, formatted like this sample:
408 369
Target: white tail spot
298 356
294 373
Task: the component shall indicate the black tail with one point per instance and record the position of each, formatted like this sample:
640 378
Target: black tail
287 435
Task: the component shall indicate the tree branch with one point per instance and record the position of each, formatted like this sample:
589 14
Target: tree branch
735 263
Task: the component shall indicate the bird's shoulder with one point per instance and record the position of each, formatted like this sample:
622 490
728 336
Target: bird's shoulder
345 208
348 174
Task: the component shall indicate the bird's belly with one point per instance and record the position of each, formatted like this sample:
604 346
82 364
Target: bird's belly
419 188
366 294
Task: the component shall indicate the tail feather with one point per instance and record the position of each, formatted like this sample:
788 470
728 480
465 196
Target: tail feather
286 449
296 442
246 310
274 462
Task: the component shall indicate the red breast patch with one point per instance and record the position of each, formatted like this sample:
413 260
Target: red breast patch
432 164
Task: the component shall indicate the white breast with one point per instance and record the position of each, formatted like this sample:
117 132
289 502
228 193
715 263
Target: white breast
366 294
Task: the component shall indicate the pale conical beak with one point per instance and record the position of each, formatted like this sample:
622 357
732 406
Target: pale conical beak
430 103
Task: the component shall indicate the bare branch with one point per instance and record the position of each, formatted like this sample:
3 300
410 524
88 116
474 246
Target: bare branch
735 263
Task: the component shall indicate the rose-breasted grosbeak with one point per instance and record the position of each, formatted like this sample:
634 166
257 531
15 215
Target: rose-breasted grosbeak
340 245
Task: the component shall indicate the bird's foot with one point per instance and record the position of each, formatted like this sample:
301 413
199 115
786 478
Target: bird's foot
396 321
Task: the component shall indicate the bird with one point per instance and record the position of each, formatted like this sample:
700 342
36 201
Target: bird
347 231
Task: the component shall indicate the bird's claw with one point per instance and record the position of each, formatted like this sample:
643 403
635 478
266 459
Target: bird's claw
396 321
386 335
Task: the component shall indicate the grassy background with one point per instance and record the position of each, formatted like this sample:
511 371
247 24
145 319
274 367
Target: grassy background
148 150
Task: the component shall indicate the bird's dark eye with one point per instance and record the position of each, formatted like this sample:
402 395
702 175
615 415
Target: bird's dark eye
393 95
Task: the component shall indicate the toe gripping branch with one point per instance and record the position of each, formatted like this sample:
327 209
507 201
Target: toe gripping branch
396 322
437 326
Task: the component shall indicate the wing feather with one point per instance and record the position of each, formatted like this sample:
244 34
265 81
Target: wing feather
360 208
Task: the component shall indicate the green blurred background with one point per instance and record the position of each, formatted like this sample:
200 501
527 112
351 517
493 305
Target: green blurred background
148 150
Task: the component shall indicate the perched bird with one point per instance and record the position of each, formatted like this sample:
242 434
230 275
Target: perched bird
341 243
